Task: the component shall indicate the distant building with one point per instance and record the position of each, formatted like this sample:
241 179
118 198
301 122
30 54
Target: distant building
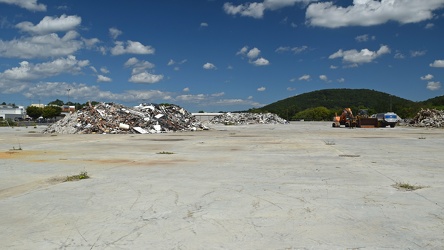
12 112
68 109
38 105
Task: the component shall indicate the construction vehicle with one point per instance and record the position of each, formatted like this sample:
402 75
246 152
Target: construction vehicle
346 118
362 120
387 119
365 121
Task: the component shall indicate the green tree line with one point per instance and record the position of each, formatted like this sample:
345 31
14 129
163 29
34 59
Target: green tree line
53 109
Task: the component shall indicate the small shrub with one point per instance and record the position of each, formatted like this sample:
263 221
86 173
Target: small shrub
407 186
165 153
81 176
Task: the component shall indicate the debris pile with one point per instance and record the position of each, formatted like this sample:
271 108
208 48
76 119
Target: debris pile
247 118
114 118
428 118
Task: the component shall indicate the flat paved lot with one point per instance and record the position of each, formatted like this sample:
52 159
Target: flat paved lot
297 186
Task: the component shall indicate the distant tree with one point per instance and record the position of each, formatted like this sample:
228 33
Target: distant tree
34 112
51 111
56 102
201 111
314 114
3 103
256 110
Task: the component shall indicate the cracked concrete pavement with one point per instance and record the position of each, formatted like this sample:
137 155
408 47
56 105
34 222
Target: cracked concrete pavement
302 185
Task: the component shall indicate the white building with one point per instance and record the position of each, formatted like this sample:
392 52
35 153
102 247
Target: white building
12 112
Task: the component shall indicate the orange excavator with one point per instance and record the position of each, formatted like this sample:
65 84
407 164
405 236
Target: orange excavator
346 118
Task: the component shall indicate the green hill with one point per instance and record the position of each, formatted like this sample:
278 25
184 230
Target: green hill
336 99
436 102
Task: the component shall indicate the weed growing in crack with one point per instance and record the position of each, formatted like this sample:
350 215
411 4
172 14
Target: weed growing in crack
165 153
81 176
407 186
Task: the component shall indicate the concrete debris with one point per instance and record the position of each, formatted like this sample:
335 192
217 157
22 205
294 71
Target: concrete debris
428 118
247 118
111 118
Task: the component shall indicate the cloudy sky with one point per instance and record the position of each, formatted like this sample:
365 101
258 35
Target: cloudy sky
217 55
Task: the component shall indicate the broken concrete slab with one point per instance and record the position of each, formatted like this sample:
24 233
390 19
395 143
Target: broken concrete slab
428 118
247 118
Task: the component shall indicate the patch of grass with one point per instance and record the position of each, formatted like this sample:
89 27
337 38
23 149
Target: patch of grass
422 138
165 153
78 177
407 186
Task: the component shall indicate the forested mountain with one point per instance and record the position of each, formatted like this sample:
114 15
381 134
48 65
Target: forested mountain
436 102
335 100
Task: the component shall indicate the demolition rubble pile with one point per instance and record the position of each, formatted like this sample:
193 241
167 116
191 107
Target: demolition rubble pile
428 118
110 118
247 118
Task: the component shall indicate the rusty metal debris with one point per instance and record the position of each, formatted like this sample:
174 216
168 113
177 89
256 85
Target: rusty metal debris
428 118
111 118
247 118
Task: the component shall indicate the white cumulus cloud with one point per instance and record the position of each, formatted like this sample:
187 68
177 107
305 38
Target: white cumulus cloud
51 24
242 51
256 9
305 78
104 70
102 78
371 12
114 32
261 89
139 72
323 78
29 72
145 77
42 46
137 65
218 94
31 5
433 86
253 53
209 66
260 62
427 77
295 50
362 56
437 64
131 48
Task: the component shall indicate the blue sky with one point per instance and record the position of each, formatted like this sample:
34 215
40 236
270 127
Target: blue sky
217 55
